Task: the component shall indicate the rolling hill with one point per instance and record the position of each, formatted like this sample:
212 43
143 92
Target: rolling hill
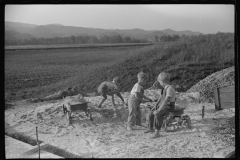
180 33
54 30
19 27
43 31
19 24
153 34
13 35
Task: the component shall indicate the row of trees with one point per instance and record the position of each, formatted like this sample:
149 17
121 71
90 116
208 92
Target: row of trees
167 38
87 39
74 40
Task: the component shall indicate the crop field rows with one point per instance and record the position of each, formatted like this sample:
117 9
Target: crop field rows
40 73
67 46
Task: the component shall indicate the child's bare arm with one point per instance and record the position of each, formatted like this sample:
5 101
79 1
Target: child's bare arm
155 106
146 98
138 96
141 97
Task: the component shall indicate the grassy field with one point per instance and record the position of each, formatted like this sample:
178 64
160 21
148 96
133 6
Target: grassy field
30 74
38 73
67 46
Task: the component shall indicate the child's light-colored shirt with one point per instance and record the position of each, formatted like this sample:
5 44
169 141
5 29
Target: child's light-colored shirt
137 88
170 92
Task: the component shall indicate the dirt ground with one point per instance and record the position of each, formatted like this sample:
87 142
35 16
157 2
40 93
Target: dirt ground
107 136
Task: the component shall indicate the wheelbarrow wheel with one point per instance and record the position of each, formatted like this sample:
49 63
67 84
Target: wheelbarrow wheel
69 117
90 115
189 123
180 122
64 110
175 124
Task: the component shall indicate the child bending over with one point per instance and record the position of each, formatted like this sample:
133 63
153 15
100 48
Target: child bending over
110 88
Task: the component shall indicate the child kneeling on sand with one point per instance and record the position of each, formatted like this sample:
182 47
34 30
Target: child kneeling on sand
136 97
164 103
110 88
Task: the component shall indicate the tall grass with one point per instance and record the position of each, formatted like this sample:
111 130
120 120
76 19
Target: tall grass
188 61
39 73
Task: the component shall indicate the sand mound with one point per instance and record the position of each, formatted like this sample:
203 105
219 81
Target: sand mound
106 136
225 77
71 91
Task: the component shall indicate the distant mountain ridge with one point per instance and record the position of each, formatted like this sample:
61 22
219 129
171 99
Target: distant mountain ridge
13 35
59 30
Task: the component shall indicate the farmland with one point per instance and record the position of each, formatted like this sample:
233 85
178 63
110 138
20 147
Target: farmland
67 46
34 73
41 72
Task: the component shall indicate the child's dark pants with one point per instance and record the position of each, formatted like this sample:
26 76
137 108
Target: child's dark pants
156 121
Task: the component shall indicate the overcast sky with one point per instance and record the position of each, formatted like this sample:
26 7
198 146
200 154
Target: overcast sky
202 18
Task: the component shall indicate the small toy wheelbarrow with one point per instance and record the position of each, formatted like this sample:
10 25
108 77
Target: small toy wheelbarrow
71 106
176 118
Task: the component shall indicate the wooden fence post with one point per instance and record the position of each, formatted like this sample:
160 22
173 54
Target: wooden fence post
203 108
38 143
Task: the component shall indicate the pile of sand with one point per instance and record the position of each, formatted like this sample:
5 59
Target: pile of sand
106 136
71 91
225 77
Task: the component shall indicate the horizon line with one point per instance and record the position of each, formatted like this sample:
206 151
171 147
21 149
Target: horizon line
115 28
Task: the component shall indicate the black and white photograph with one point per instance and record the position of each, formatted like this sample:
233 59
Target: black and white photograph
119 81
